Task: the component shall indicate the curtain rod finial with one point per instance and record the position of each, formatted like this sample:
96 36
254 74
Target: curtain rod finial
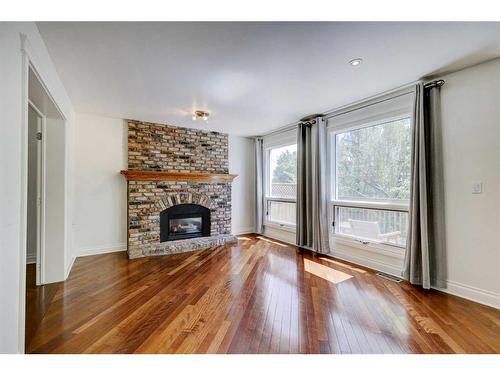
311 117
437 83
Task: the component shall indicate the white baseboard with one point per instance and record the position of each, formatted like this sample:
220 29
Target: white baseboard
31 259
478 295
244 230
101 250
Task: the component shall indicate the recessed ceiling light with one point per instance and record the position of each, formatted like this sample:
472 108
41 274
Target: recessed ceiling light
356 62
200 115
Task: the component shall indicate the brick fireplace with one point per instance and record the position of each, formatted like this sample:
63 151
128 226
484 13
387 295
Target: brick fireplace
176 177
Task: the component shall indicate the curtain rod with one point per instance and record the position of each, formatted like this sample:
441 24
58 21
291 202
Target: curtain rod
436 83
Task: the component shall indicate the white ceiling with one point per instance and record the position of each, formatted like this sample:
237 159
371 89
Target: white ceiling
251 77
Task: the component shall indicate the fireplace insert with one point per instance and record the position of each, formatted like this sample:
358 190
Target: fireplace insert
184 221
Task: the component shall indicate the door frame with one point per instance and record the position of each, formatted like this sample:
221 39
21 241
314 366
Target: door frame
40 192
28 61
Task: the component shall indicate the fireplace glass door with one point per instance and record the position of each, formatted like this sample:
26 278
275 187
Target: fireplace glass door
190 225
184 221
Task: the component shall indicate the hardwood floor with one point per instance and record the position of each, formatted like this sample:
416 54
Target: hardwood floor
38 300
260 296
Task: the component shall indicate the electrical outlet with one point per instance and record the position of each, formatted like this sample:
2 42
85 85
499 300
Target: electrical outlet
477 187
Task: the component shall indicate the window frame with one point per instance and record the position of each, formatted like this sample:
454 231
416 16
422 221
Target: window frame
284 141
368 117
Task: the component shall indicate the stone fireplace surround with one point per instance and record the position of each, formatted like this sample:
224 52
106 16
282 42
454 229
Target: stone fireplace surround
168 166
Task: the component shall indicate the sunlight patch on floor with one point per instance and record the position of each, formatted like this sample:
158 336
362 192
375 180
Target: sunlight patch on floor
241 238
326 273
342 265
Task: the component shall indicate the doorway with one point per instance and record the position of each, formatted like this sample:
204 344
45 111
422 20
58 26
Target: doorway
45 203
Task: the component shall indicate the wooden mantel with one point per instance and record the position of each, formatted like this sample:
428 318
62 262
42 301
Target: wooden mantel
143 175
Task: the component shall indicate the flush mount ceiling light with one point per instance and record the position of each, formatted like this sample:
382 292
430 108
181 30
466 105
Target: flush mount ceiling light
200 115
356 62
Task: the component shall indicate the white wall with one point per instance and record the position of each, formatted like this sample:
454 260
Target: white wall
277 233
12 172
100 190
470 102
242 163
54 204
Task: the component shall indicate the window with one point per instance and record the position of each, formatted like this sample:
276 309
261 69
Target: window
283 171
371 181
281 184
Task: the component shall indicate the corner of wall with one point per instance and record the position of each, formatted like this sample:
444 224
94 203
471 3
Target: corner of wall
69 266
104 249
244 230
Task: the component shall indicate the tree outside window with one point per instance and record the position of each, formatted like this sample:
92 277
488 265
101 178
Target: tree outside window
283 165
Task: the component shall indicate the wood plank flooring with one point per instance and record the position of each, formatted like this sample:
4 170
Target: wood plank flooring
38 300
259 296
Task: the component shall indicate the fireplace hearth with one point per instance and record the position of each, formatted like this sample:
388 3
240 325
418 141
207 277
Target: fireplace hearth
184 221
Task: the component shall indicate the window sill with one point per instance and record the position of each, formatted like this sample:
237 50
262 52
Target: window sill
281 199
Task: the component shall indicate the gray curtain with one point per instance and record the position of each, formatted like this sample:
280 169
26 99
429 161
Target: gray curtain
259 188
312 201
425 260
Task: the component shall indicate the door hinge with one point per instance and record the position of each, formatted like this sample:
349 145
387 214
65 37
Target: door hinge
39 136
333 223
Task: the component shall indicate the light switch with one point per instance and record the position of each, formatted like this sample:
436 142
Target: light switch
477 187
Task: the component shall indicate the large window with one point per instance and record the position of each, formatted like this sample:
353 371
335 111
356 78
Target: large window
371 181
281 184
